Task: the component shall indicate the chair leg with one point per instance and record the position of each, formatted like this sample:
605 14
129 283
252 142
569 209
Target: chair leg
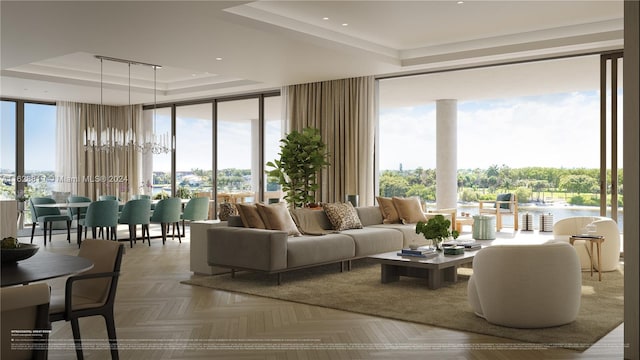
183 226
69 231
33 231
111 331
114 233
50 231
146 227
44 232
132 234
75 328
93 232
179 234
164 228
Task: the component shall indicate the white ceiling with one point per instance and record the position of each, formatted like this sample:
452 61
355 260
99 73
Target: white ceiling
48 48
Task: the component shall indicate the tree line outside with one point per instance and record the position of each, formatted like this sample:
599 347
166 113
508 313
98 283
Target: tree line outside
579 186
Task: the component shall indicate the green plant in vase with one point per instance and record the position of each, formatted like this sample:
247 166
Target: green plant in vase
302 156
436 229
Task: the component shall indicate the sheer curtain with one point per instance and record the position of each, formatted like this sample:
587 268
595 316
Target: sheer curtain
344 112
96 172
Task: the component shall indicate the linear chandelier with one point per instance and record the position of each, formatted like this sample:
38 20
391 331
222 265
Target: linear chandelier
126 137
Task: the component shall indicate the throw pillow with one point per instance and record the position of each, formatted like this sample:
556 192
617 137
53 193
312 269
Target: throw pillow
226 210
250 216
409 210
504 197
277 217
343 216
388 210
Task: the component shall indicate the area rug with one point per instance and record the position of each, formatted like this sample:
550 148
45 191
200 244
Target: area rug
360 291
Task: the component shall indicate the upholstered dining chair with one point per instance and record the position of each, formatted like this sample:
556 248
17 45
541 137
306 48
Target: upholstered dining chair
504 204
45 216
100 214
25 308
107 197
136 212
92 292
143 196
197 209
167 212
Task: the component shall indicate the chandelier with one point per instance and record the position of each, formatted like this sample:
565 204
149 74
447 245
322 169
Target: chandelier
124 134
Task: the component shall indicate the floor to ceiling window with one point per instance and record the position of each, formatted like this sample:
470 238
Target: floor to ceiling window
157 174
194 150
530 128
39 149
238 150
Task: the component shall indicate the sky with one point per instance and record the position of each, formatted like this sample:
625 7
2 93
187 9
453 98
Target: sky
557 130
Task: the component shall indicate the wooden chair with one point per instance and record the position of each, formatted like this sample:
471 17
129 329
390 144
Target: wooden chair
504 204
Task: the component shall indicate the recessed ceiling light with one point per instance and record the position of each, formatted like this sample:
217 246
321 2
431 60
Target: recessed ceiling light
219 59
325 18
193 75
345 24
460 2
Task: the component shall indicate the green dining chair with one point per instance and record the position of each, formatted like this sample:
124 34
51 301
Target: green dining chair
100 214
136 212
143 196
167 212
107 197
77 213
197 209
45 216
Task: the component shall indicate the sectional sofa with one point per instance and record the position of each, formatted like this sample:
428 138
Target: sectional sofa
274 251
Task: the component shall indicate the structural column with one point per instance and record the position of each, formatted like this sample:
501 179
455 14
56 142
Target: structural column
446 153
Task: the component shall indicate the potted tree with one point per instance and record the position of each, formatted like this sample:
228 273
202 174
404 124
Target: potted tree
436 229
302 156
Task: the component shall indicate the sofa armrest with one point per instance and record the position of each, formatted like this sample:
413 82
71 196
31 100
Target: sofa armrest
244 248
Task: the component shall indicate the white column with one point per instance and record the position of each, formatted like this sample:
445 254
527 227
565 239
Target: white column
446 153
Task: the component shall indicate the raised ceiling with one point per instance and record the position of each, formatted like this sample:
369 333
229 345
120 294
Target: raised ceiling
216 48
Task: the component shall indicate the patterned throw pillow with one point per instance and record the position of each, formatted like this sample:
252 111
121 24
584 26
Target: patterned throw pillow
226 210
343 216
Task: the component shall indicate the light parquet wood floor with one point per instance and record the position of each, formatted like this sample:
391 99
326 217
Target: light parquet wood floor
159 318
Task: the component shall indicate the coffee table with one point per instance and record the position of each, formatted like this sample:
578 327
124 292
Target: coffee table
435 270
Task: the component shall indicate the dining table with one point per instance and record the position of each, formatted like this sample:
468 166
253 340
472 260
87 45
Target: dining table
43 265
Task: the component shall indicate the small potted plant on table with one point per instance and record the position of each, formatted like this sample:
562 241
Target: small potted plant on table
436 229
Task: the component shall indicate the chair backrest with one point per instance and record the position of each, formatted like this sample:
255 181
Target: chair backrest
136 212
107 197
167 211
37 212
106 256
507 201
77 199
24 308
102 213
196 209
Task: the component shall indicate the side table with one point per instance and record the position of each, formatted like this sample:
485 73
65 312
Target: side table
598 240
463 220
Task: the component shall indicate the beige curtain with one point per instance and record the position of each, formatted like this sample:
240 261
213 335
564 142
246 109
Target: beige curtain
344 112
96 172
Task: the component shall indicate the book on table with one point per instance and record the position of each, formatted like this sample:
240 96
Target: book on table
425 255
422 251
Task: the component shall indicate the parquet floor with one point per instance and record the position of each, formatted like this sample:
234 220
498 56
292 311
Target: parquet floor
159 318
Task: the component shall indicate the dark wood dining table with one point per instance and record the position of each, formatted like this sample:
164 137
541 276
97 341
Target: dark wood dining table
43 265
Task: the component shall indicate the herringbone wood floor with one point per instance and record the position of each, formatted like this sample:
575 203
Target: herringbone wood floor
159 318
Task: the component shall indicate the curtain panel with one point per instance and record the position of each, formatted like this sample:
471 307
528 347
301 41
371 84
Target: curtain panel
95 172
343 110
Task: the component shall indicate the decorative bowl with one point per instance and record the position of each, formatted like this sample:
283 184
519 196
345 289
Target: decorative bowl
23 252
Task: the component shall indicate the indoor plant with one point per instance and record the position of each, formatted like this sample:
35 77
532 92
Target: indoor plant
302 156
436 229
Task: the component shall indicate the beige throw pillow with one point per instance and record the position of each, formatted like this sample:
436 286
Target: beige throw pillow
388 210
343 216
409 210
277 217
250 216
